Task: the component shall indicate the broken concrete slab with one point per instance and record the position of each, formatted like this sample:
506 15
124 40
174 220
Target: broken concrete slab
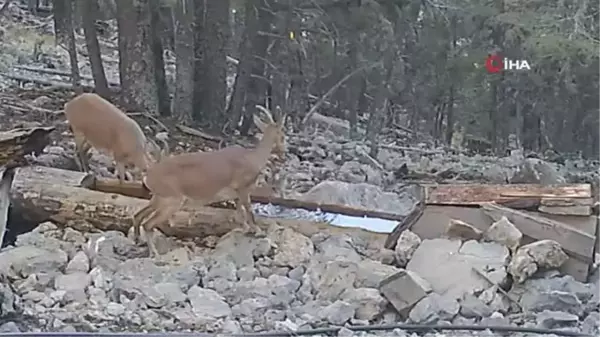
447 265
403 290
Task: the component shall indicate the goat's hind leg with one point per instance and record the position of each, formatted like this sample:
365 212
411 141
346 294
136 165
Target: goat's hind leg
165 209
141 215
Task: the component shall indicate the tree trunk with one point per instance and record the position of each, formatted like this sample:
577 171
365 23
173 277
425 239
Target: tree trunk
136 59
162 90
210 67
244 68
184 51
72 48
93 48
61 21
258 83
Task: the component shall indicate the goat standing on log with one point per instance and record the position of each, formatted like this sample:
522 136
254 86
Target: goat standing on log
204 176
96 122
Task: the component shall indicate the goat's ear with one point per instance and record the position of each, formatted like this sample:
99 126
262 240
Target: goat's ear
259 123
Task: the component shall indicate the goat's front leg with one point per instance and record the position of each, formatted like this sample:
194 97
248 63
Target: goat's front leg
249 220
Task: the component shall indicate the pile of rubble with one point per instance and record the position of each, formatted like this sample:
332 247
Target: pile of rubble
63 280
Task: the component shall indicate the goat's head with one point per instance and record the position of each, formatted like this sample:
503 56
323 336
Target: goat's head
273 132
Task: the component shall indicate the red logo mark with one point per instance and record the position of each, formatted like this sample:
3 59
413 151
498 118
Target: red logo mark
493 64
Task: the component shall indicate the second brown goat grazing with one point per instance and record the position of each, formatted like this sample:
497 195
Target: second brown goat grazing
229 173
95 122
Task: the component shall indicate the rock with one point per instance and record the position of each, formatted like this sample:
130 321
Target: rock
329 280
536 171
368 302
504 232
448 265
555 294
9 327
338 313
207 303
403 290
496 319
531 257
473 307
552 319
294 249
79 263
370 273
361 195
591 324
434 308
27 260
335 247
462 230
406 245
7 300
74 281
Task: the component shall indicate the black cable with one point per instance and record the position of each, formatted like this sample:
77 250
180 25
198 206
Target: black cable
408 327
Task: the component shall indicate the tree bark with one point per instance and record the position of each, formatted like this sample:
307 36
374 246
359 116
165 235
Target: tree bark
60 16
210 67
244 68
136 59
162 90
184 51
72 48
258 84
93 48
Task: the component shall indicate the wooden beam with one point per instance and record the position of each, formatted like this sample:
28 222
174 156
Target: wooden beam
475 194
137 190
574 241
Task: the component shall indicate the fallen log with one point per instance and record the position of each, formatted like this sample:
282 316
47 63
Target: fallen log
17 143
61 196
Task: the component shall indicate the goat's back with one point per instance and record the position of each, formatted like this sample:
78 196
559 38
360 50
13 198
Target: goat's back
104 125
198 176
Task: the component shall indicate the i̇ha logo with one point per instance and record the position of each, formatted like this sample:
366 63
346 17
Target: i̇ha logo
496 63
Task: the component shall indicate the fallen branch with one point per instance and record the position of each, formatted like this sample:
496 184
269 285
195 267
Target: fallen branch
321 101
60 85
198 133
60 73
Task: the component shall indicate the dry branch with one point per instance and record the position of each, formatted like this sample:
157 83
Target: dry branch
321 101
60 73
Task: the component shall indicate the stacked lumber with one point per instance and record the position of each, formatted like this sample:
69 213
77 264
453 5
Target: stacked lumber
562 213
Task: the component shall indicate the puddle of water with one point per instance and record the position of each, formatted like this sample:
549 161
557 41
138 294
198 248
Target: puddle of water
372 224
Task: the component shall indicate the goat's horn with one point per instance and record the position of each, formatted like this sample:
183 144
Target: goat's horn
266 112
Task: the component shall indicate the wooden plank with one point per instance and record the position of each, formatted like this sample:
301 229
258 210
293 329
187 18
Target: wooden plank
473 194
572 240
565 206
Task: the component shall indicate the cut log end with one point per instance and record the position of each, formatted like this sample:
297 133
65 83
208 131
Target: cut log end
17 143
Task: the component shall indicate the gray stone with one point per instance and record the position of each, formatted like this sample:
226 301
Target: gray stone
403 290
9 327
294 249
79 263
552 319
591 324
504 232
368 302
473 307
447 265
434 308
540 254
27 260
407 244
75 281
208 303
339 312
